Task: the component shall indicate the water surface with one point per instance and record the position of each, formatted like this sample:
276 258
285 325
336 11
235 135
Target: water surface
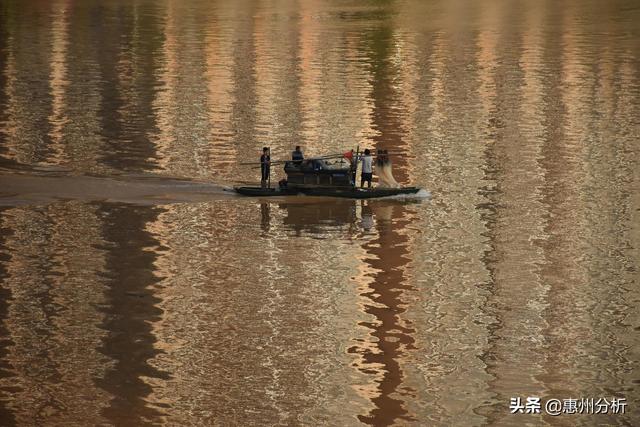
134 290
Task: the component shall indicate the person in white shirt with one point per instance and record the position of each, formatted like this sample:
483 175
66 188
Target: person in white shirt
367 168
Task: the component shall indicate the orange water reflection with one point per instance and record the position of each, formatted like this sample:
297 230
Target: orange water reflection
519 277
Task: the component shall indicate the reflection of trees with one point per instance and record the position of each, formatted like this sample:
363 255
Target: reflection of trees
388 107
131 42
4 57
51 316
511 209
243 74
6 415
393 336
388 251
130 312
25 72
31 276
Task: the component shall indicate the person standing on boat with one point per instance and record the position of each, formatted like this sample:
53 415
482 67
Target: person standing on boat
297 155
367 168
265 166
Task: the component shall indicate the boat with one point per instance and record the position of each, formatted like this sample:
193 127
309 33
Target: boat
329 176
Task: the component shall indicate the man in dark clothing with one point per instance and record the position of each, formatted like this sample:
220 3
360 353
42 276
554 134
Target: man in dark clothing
265 166
297 155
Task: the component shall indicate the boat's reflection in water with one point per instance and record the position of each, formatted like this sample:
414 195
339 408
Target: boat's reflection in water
379 230
315 218
319 214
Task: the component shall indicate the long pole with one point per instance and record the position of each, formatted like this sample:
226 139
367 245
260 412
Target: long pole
269 166
331 156
355 166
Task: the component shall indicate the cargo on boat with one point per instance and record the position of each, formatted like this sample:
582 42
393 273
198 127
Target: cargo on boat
319 172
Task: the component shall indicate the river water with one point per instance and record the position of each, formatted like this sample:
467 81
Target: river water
134 290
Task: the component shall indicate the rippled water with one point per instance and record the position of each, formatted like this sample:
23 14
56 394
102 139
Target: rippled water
134 290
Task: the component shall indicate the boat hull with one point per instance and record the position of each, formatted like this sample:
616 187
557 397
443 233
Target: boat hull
265 192
345 192
359 193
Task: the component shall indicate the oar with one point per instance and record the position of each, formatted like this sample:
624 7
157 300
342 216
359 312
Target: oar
326 156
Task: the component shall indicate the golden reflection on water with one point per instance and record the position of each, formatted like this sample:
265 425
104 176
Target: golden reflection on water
219 304
58 79
519 278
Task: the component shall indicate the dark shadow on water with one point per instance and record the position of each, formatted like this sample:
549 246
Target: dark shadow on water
130 311
393 335
7 417
3 88
265 217
126 111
